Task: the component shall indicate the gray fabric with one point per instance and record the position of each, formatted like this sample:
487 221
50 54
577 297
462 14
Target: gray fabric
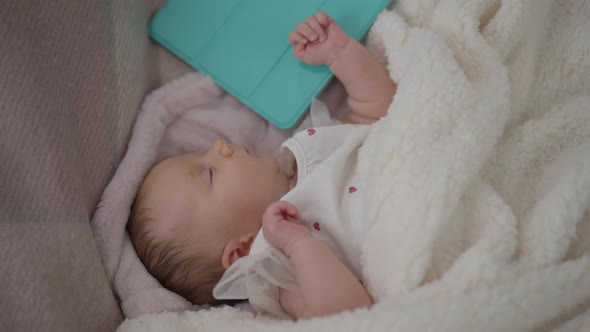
73 74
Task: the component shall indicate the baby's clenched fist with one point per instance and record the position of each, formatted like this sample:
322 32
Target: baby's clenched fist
319 40
280 229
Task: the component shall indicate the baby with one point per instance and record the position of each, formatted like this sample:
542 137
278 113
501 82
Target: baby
196 216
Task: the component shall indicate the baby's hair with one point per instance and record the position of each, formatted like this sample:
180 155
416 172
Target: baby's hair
188 275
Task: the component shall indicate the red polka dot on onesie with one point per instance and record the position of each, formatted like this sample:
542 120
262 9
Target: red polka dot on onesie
351 189
316 226
310 131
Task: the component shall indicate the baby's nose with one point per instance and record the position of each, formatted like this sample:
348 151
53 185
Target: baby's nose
222 148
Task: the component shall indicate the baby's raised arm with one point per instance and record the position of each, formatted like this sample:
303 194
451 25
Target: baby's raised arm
326 286
319 40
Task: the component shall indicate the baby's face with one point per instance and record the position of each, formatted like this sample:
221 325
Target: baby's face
215 195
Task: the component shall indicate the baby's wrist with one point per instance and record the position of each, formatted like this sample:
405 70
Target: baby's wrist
296 245
339 50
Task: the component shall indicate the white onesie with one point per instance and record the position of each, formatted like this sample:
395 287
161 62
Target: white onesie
328 195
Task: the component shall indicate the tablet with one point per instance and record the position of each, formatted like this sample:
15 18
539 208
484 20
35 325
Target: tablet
243 46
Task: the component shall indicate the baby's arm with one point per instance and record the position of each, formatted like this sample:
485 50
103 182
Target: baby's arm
319 40
326 286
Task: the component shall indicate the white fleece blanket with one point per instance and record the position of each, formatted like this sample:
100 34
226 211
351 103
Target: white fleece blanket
478 179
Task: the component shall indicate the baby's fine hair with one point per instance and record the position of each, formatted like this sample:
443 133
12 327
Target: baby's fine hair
184 273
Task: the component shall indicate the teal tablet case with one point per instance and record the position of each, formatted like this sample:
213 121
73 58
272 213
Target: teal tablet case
243 45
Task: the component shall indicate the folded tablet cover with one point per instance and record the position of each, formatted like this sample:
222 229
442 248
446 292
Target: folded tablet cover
243 45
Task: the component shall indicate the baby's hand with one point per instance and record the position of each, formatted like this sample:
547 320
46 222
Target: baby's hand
318 40
279 228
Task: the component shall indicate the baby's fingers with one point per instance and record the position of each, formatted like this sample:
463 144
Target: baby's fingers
297 39
306 31
322 18
288 210
283 234
313 23
279 211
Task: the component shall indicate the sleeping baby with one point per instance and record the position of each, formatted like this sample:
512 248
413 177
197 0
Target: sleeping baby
234 223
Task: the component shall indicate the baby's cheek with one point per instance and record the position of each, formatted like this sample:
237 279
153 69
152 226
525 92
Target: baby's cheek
248 204
253 187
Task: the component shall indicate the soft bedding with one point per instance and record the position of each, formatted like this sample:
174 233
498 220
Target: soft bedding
477 181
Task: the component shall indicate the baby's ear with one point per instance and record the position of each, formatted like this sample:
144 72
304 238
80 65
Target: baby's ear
236 249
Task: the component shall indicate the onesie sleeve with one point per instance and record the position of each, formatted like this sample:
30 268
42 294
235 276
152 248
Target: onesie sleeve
258 277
